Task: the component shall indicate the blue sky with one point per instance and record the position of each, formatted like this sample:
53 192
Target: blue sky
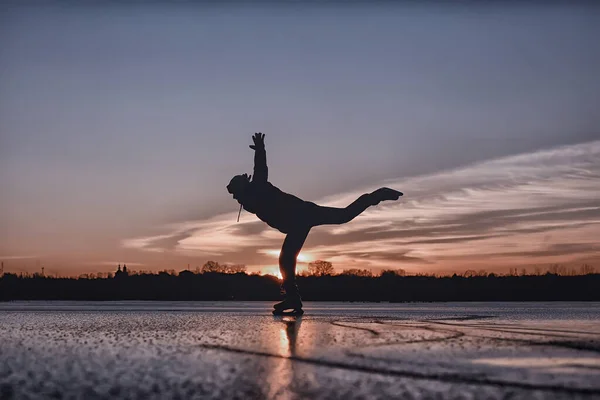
120 123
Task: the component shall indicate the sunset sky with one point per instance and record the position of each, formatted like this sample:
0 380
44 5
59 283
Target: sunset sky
120 127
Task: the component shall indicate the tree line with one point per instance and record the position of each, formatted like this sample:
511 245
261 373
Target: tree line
215 281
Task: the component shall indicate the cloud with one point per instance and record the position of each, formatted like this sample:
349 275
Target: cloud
113 263
529 208
16 257
217 236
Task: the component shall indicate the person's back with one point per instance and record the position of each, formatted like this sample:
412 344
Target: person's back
278 209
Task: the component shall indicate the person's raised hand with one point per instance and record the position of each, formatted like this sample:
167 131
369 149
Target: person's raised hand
259 141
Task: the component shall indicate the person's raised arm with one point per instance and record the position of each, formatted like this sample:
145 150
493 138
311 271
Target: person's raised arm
261 172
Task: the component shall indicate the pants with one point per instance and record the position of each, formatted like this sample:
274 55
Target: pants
311 217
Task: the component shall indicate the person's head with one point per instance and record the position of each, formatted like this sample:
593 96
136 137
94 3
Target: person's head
238 185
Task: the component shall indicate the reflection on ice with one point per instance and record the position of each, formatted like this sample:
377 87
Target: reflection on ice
292 327
282 373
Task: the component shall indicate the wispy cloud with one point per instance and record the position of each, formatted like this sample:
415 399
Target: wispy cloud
525 209
113 263
16 257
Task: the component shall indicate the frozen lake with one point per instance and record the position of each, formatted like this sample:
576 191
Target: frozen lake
336 350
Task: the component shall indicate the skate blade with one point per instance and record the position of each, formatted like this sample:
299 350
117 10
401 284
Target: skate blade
280 307
290 312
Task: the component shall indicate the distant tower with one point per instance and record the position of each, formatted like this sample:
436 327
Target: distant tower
2 269
125 269
42 271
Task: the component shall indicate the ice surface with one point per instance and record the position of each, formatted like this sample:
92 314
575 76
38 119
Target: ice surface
186 350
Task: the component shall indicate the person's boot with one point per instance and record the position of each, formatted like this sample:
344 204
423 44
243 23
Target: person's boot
291 304
384 193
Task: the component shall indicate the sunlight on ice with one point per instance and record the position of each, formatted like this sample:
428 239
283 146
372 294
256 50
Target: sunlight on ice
284 343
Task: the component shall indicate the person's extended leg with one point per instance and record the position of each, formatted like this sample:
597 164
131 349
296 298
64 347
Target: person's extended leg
337 216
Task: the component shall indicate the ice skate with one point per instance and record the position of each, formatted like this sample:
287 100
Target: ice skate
289 306
292 303
385 193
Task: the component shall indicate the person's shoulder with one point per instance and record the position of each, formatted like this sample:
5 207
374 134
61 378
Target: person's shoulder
262 184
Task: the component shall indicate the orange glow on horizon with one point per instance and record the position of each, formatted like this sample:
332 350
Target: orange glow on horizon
302 257
274 270
271 270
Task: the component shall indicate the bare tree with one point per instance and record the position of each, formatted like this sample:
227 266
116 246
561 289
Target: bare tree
587 269
395 272
320 268
558 269
212 266
357 272
235 268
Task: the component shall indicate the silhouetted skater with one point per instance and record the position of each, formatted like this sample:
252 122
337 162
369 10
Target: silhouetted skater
292 216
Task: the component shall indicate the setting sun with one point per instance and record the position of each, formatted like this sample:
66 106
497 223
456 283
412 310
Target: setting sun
274 270
302 257
271 270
